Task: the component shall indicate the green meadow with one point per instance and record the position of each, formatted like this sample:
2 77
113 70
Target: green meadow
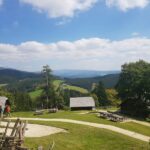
89 117
80 137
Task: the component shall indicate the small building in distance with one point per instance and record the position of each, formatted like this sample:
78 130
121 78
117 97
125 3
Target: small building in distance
82 103
3 101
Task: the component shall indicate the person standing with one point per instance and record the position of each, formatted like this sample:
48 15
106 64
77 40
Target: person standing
7 108
2 105
1 111
2 108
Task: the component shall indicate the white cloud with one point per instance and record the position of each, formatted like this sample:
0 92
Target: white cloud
93 53
68 8
135 34
124 5
60 8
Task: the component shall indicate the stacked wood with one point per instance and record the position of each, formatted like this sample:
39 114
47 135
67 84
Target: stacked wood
15 140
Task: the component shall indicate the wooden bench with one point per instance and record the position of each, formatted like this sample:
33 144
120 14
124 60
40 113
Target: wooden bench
52 110
103 114
111 116
39 112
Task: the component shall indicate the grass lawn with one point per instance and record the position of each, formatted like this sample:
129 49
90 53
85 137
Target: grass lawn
145 130
80 137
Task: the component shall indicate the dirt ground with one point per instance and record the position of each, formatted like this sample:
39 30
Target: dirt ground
35 130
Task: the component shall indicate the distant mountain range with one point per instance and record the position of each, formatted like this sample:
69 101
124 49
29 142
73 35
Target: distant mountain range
81 78
60 73
82 73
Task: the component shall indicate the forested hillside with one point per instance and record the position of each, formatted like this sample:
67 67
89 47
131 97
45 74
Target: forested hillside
109 81
11 75
27 81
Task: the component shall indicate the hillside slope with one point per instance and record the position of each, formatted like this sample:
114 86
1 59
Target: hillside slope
27 81
109 81
12 75
37 92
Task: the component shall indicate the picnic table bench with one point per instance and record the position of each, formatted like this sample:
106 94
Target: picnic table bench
52 110
103 114
111 116
116 118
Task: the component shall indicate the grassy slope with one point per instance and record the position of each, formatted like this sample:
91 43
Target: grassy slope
56 83
89 138
91 118
35 93
2 85
75 88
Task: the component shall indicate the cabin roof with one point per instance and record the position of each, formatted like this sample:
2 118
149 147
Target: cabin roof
3 100
82 102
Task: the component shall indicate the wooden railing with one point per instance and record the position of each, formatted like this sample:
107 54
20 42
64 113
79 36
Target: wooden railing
13 140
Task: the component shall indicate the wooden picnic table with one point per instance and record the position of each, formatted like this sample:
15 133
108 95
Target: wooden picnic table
111 116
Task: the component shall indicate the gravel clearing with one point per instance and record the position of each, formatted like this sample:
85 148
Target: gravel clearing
35 130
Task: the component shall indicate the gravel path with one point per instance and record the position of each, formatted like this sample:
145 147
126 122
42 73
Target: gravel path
97 125
141 122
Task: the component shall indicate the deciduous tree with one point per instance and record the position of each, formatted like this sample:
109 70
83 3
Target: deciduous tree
100 92
134 88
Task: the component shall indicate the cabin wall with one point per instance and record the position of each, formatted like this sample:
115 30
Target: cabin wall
81 108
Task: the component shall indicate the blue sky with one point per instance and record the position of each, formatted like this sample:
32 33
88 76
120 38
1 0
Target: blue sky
75 34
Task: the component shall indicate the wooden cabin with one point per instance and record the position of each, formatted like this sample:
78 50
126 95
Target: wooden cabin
82 103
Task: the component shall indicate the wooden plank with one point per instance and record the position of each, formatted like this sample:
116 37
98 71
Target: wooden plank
4 135
14 128
24 128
